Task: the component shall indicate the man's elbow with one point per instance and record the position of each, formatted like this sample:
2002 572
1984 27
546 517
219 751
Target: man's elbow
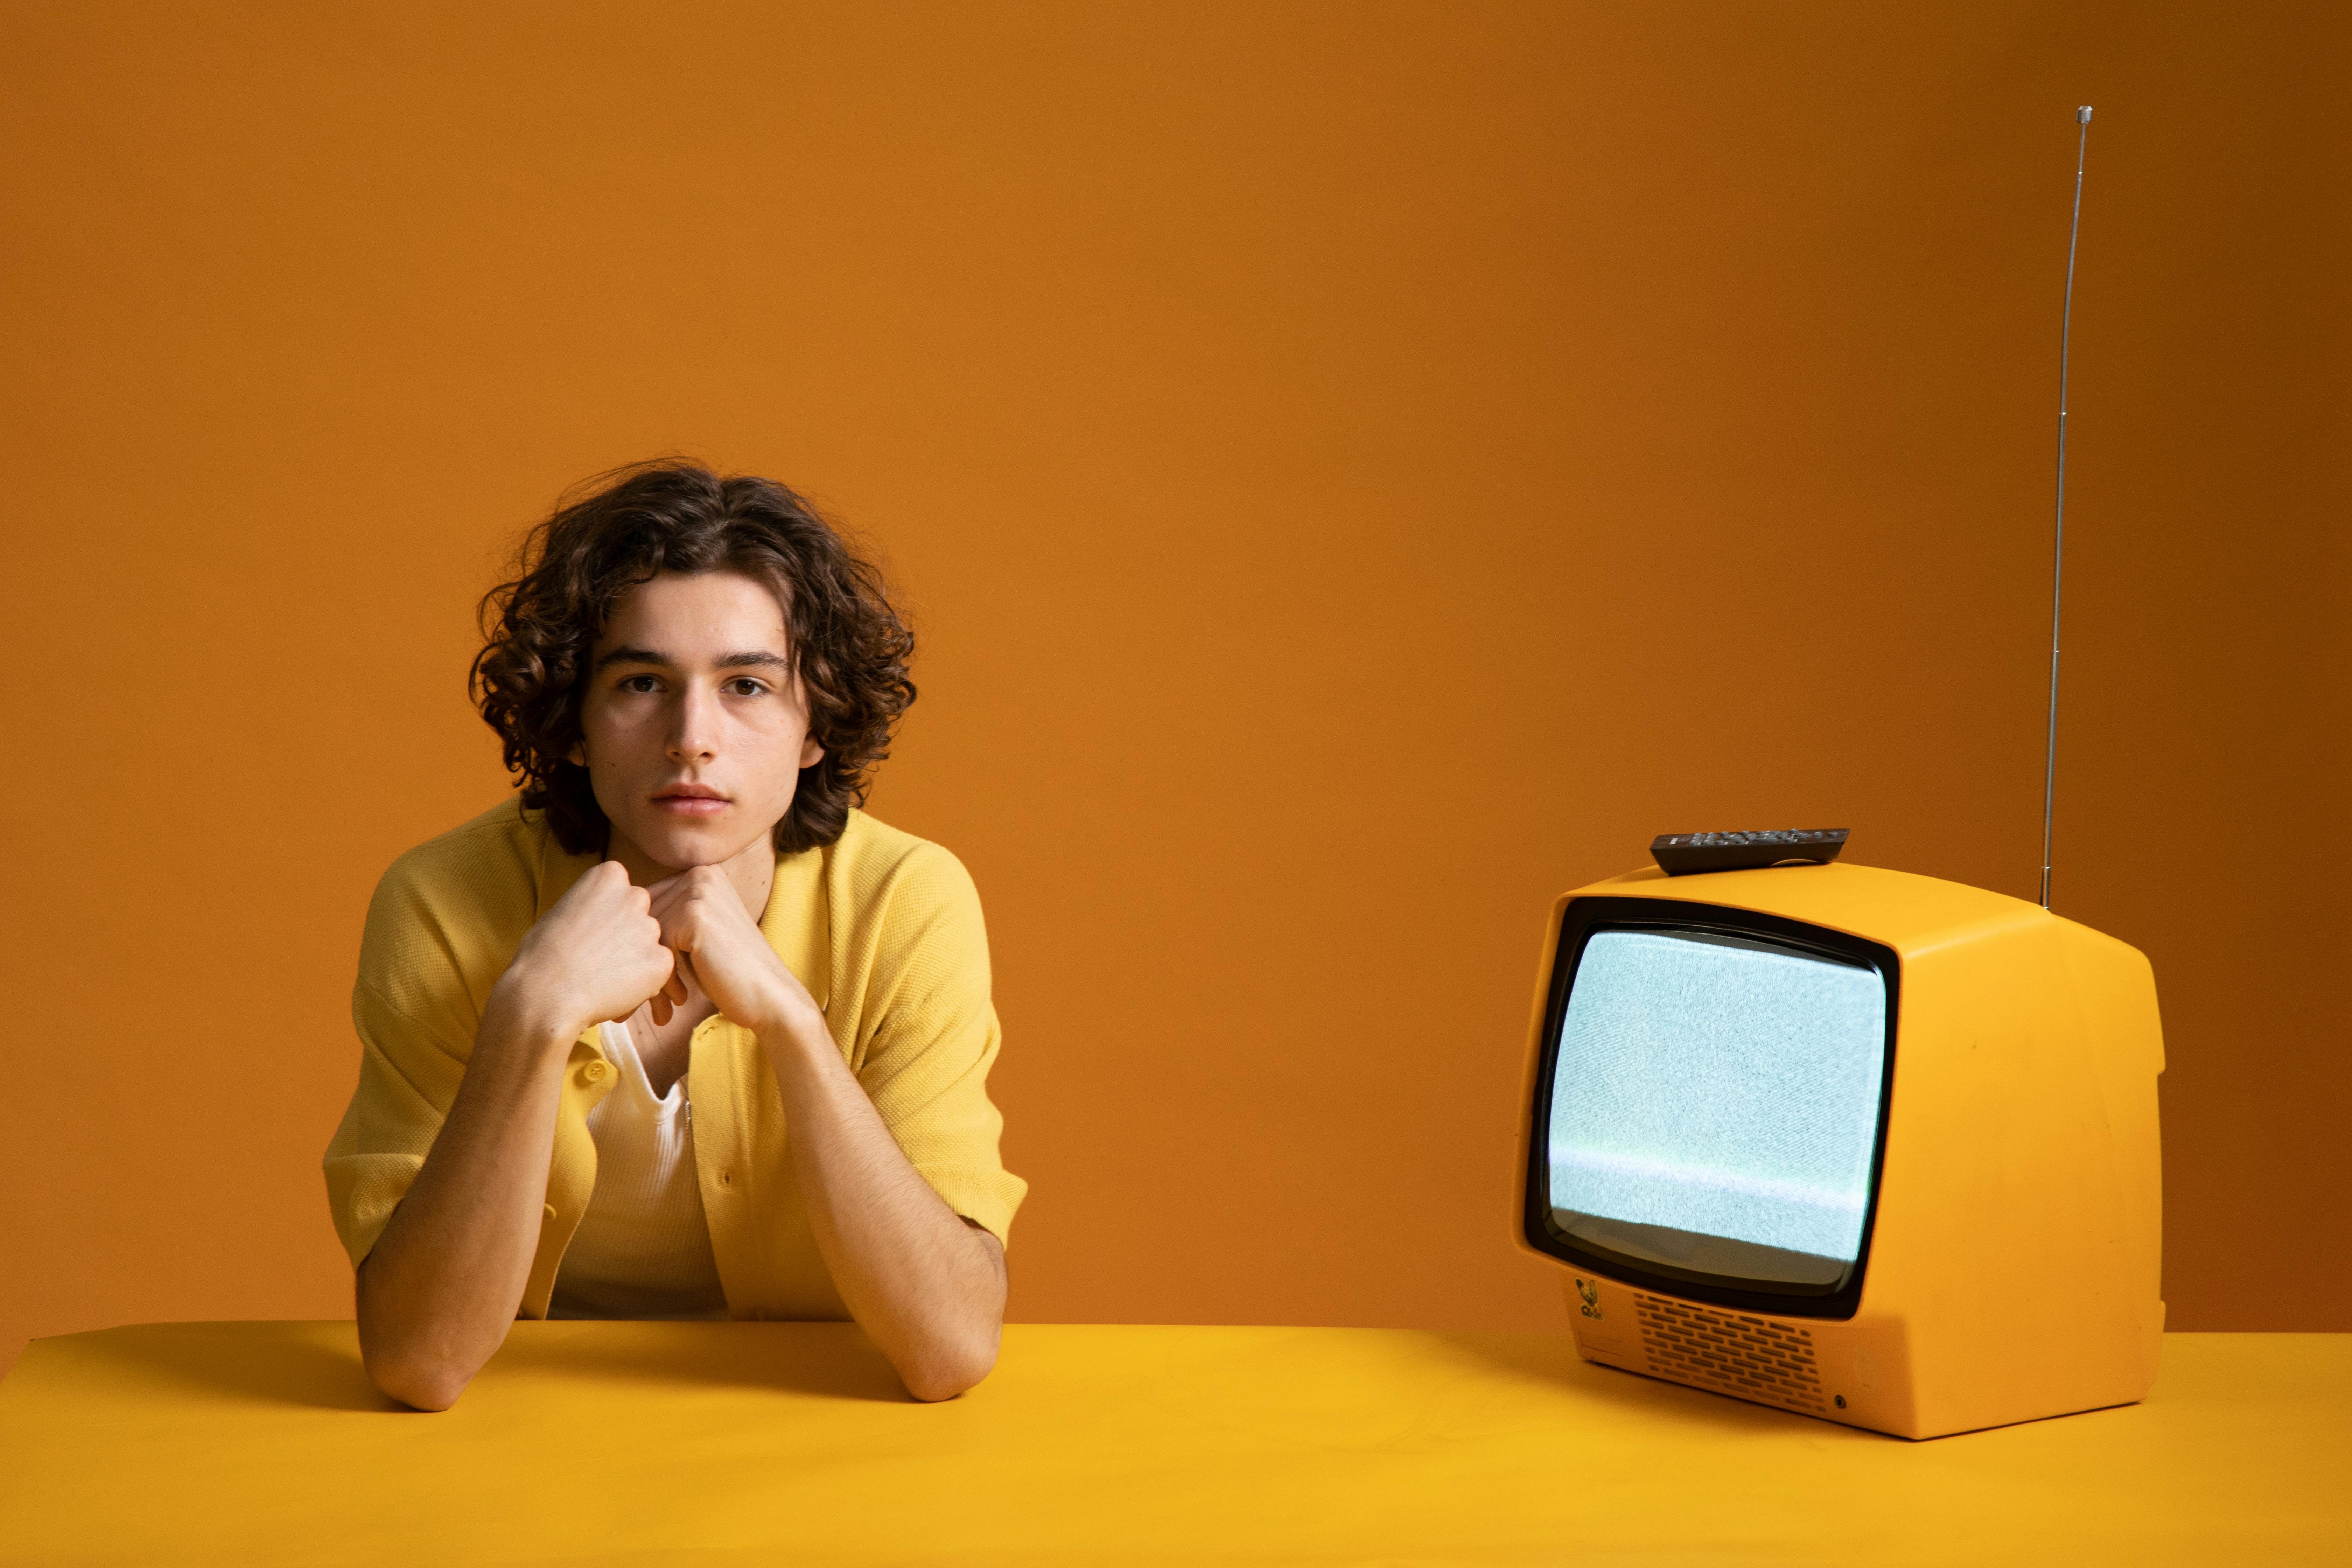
950 1370
410 1368
421 1386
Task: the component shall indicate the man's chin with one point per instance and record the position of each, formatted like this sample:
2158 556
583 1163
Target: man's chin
682 847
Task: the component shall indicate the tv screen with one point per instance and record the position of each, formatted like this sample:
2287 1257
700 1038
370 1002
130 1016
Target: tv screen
1714 1104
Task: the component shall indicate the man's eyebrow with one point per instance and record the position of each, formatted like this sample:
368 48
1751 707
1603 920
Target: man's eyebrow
752 659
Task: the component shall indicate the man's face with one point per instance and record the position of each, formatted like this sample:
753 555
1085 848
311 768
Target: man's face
693 729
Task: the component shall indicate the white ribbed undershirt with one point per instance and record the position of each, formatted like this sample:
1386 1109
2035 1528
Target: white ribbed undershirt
642 1249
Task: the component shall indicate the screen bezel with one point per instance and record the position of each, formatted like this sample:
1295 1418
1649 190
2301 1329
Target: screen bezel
1578 924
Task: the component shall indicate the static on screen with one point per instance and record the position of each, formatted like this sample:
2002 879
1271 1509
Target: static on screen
1716 1087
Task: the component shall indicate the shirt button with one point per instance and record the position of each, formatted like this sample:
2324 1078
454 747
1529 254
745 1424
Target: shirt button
549 1209
593 1073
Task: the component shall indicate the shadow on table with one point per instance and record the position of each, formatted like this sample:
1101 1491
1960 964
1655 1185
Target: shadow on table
316 1364
313 1364
829 1361
1554 1360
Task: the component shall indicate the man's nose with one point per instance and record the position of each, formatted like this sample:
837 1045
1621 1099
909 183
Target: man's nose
693 733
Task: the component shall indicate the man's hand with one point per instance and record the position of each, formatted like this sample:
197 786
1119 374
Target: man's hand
598 956
703 921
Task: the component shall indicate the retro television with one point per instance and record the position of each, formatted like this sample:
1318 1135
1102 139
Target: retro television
1870 1146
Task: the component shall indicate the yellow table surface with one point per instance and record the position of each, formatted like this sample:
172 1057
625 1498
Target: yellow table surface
719 1444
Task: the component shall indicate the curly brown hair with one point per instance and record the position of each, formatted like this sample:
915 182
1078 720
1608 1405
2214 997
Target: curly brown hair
849 648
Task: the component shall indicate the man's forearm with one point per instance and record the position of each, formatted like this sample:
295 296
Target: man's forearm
927 1287
439 1290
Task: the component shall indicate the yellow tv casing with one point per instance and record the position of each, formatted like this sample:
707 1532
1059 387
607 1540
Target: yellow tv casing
2014 1255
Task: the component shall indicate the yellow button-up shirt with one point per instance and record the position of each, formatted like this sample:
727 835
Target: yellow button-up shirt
883 928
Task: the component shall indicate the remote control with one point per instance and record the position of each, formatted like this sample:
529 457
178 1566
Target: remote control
1682 854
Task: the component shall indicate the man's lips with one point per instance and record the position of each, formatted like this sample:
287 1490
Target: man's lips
691 800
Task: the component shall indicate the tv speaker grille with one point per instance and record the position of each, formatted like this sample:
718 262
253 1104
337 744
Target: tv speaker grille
1731 1353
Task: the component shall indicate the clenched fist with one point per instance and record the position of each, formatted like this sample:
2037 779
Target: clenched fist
598 956
703 920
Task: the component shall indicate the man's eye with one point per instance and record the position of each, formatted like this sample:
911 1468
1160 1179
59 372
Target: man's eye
746 687
640 684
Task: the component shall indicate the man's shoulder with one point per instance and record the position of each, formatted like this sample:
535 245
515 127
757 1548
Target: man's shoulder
470 893
496 852
900 889
903 907
872 857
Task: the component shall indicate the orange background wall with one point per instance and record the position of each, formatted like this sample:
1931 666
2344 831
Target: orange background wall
1360 469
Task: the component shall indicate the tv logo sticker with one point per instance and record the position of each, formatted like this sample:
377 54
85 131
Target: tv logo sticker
1592 1294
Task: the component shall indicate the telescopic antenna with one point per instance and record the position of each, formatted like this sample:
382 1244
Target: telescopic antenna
2058 550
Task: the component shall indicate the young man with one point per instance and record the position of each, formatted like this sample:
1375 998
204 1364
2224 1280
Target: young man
677 1032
